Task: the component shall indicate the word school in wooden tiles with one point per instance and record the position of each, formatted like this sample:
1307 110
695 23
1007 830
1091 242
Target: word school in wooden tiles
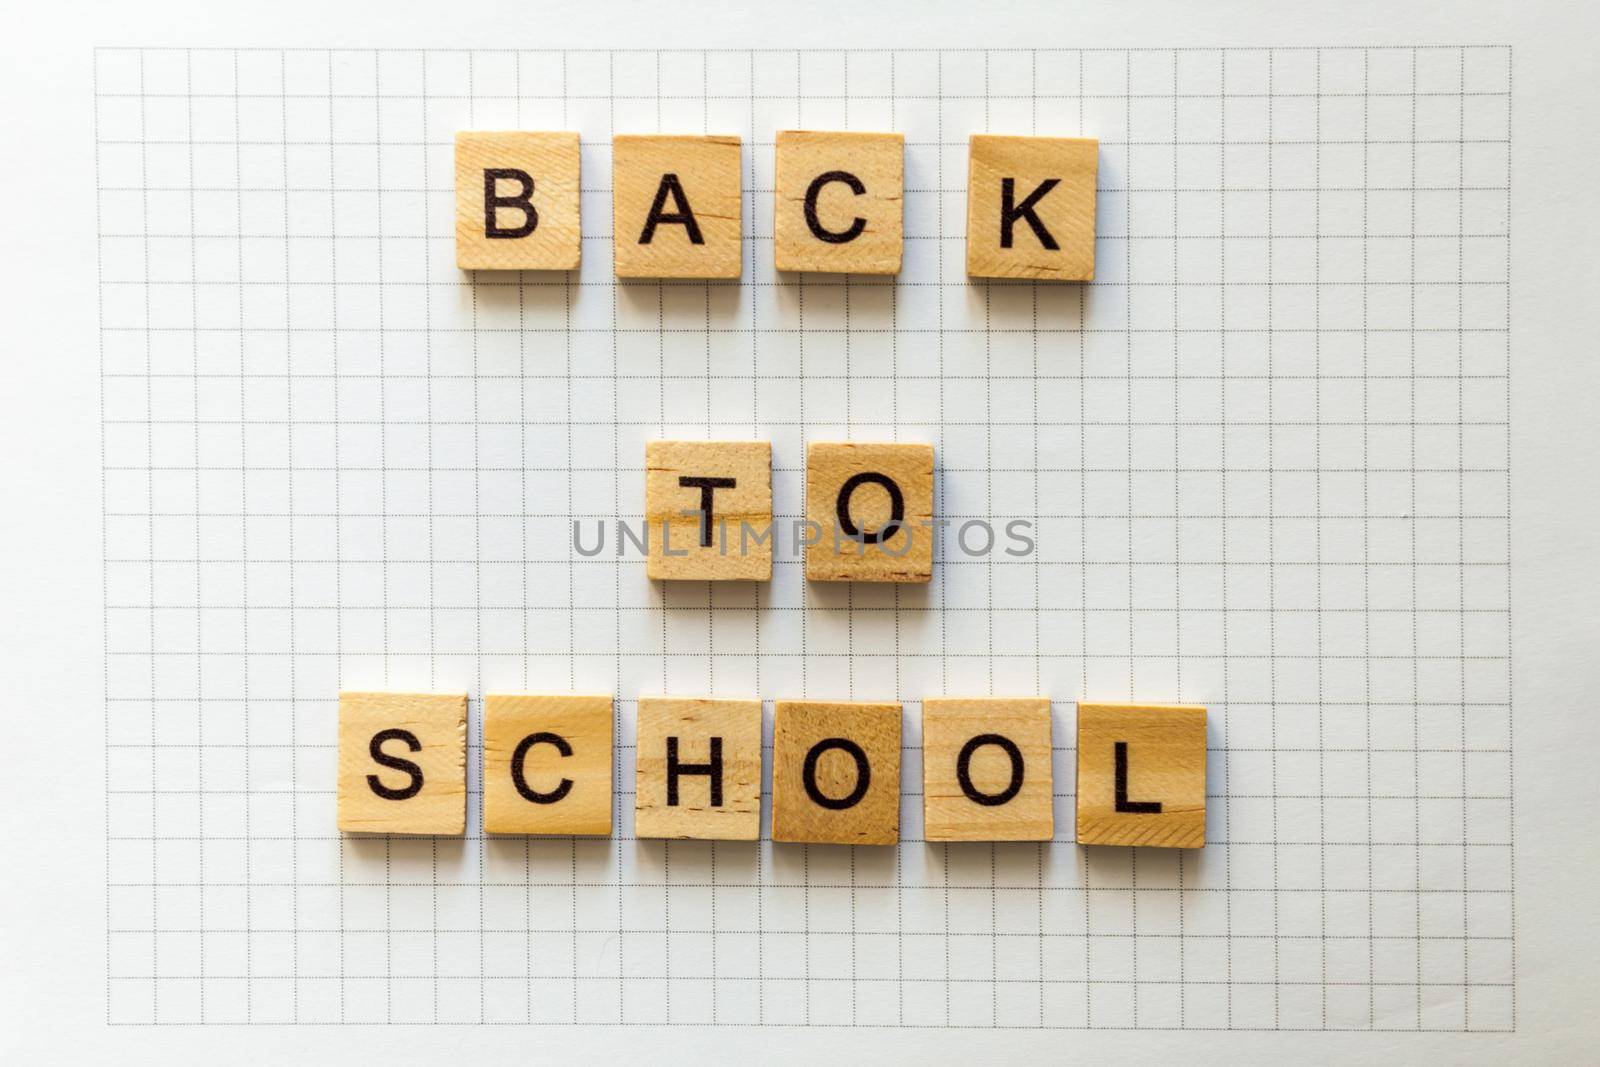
986 773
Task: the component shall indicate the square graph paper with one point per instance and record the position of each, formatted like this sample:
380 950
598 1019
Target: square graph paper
1264 455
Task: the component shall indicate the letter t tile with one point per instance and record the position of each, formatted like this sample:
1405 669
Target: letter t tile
709 509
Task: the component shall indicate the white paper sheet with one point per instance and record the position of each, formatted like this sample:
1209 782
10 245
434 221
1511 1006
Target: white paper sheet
1272 455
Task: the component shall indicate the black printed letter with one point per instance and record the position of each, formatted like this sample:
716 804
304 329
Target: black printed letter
706 487
520 780
711 768
808 774
684 216
897 507
964 770
1136 807
822 233
1009 214
375 750
523 200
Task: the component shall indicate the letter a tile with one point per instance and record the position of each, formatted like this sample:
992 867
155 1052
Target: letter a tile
1030 207
402 763
698 769
1142 775
676 206
517 200
708 506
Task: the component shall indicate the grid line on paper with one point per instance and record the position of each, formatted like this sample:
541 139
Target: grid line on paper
1322 769
1265 457
1222 341
1511 804
1416 736
1177 497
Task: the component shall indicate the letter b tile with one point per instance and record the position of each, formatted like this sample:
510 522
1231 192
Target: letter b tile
836 773
517 200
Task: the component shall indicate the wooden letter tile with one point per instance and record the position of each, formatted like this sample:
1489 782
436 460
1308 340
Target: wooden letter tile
732 541
839 201
676 206
699 769
871 510
836 773
1141 775
547 764
986 772
402 763
1030 207
517 200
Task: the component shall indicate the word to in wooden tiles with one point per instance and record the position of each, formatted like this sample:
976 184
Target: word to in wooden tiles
708 511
